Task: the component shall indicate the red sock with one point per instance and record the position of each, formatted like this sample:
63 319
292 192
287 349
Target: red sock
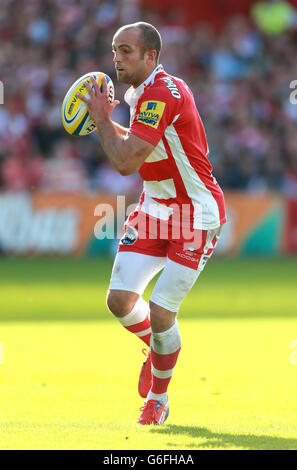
165 348
138 322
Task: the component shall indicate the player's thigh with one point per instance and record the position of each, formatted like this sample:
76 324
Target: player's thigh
174 283
133 271
182 269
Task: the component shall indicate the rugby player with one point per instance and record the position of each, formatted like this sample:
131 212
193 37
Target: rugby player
178 220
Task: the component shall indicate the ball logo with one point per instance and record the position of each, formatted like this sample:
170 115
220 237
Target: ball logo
91 128
70 107
75 102
75 114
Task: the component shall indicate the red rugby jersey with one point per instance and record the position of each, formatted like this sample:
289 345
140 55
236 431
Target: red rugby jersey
163 112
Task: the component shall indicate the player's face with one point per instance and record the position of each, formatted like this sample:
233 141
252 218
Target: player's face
132 66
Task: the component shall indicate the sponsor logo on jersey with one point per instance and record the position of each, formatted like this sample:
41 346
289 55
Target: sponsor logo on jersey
188 257
151 105
150 113
130 236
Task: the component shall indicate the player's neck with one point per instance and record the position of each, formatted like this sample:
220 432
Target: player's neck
147 75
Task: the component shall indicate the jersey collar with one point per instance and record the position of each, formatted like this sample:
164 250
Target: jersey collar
132 95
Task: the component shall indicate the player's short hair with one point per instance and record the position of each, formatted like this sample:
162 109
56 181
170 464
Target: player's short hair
150 37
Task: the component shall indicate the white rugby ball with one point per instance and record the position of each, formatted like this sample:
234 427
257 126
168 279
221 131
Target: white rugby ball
75 114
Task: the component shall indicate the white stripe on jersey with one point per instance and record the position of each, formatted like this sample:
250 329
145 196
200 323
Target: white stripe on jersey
207 216
159 153
155 209
166 190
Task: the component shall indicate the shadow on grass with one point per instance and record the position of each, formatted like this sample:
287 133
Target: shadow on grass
217 440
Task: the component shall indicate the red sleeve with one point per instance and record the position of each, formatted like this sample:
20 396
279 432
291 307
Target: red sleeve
155 111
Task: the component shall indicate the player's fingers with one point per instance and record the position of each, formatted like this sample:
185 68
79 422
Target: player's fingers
115 103
104 87
96 86
91 92
83 98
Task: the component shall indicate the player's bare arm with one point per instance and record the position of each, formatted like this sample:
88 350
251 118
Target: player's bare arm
120 129
126 152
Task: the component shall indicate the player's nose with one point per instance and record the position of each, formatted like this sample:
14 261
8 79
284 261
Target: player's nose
118 64
116 57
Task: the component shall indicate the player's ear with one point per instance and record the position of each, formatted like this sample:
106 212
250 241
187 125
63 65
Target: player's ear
151 55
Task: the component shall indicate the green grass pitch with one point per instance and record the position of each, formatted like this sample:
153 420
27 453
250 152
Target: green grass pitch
70 371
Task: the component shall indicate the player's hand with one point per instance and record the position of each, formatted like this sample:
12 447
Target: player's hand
98 103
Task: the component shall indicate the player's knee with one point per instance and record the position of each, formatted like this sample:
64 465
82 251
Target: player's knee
120 303
113 303
161 318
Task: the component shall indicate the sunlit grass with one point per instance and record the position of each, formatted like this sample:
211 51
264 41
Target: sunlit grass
73 384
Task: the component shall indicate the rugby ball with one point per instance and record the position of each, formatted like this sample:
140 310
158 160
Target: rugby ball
75 114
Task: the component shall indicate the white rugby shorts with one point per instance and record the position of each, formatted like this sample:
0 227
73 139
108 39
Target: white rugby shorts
132 271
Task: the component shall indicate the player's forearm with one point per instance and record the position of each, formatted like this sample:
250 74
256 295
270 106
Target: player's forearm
120 129
114 144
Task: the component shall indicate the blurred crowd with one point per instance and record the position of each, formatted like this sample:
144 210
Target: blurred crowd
240 77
